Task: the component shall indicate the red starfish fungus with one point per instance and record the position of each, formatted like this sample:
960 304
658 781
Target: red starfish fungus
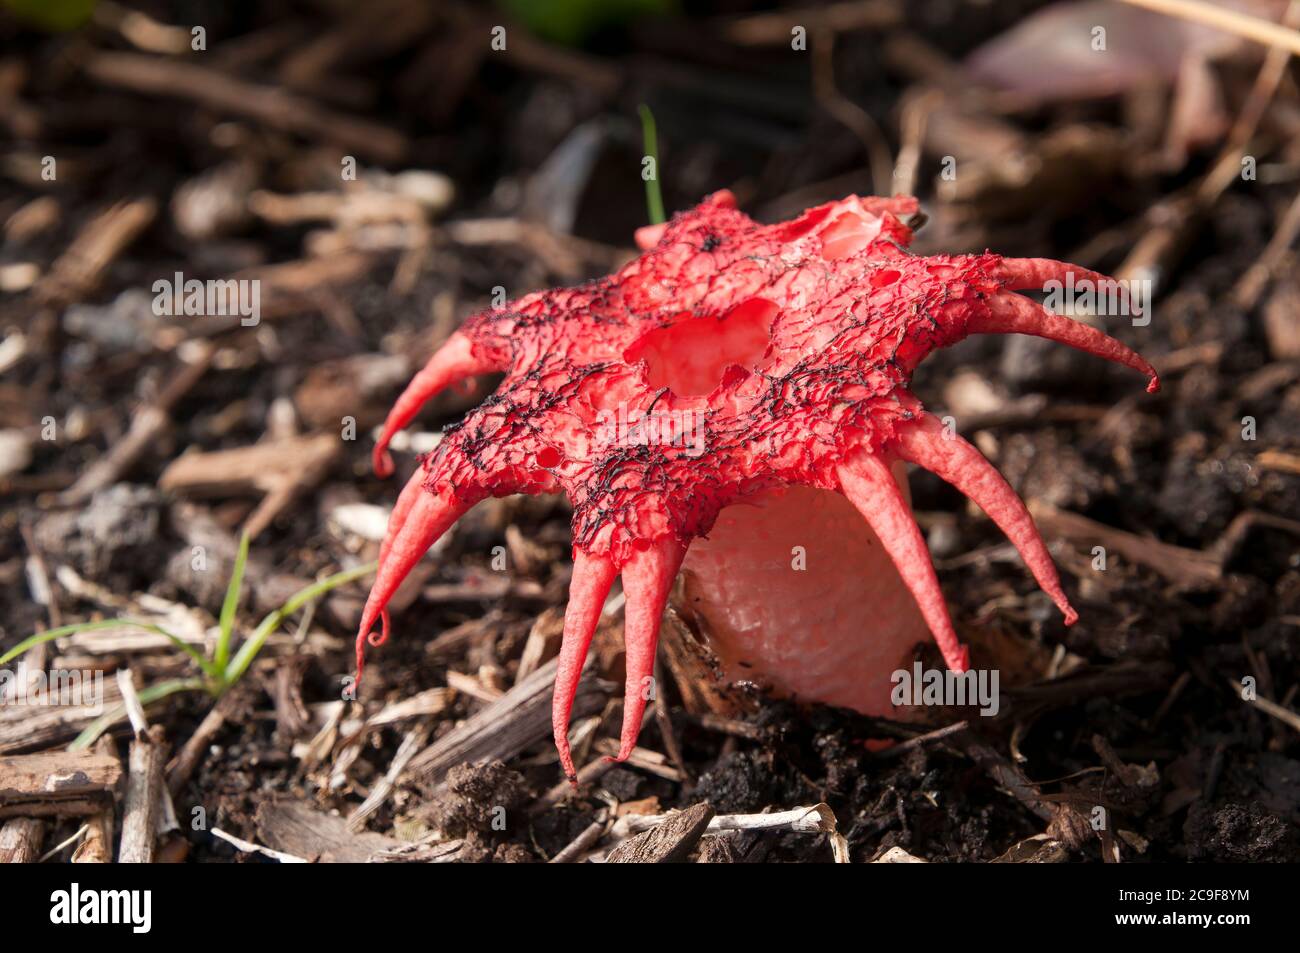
846 314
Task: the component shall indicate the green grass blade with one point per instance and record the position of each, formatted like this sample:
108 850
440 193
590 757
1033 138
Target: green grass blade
221 656
41 638
253 644
654 199
148 696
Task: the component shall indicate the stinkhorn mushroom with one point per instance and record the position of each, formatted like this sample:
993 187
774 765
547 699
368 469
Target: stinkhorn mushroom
727 363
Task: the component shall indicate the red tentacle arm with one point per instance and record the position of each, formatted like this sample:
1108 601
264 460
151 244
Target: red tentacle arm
1033 274
925 442
647 579
867 483
438 494
431 515
590 585
1016 314
410 495
451 363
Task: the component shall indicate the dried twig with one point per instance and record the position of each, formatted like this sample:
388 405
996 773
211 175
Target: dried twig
846 16
1185 567
1252 283
144 793
281 469
1009 777
565 256
268 104
149 422
521 717
812 819
580 844
729 726
643 758
1272 708
96 846
920 741
248 847
77 272
665 724
187 759
411 744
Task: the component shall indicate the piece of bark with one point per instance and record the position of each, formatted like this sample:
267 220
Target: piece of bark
472 686
280 469
26 727
20 840
96 846
57 783
432 852
716 849
671 842
1039 849
214 203
695 669
543 643
426 704
294 828
348 209
77 272
519 718
32 220
143 803
355 386
896 855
